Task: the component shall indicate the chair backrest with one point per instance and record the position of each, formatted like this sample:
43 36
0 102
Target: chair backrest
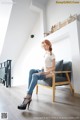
67 66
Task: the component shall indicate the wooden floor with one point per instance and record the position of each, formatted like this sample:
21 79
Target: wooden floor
66 106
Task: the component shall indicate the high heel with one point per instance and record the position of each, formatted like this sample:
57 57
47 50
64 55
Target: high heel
23 105
29 104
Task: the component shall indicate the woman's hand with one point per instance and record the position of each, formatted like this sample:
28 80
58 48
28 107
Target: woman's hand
44 73
47 74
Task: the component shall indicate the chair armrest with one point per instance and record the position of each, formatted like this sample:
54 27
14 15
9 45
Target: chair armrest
62 72
53 74
66 72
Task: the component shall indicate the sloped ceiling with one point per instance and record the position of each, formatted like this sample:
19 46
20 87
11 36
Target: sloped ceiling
22 20
5 10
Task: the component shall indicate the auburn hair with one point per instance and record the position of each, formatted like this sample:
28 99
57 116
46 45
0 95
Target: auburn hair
48 43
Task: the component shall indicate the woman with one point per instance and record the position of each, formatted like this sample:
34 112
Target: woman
35 75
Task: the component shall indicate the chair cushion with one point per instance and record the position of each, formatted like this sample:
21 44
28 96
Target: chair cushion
48 81
59 67
60 79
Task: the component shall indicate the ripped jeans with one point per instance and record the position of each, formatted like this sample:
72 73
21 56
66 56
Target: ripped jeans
33 79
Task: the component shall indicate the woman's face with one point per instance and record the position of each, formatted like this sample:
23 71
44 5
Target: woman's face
45 46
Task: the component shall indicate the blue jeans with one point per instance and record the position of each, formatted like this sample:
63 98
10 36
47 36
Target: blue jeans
33 78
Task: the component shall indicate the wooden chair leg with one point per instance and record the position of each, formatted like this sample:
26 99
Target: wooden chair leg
36 89
71 88
53 97
53 89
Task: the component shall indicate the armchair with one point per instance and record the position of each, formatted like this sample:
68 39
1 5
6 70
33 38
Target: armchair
61 76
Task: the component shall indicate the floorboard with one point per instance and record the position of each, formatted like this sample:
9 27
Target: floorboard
65 107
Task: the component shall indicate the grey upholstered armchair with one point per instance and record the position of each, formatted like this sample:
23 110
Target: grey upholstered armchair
61 76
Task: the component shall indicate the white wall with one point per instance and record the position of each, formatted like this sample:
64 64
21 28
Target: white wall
31 51
30 56
40 6
62 49
59 12
66 43
69 48
76 60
